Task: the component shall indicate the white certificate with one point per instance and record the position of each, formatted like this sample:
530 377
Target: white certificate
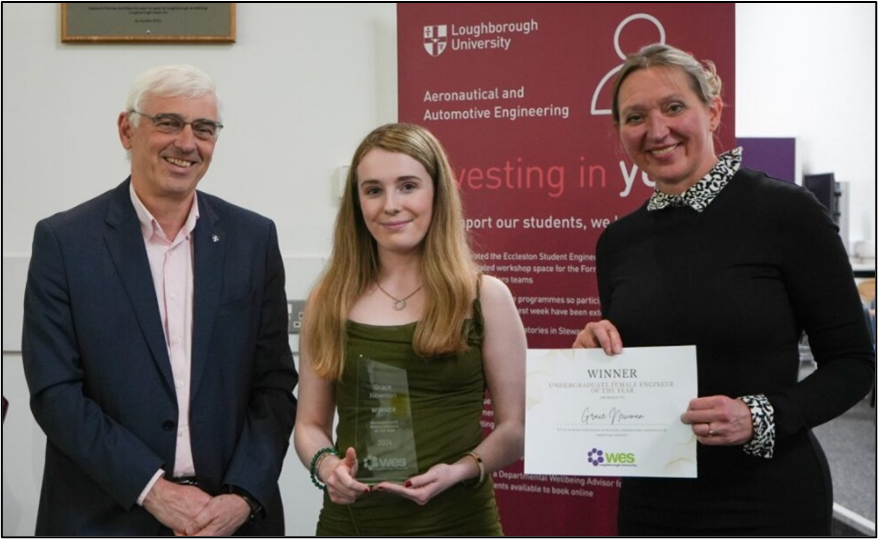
593 414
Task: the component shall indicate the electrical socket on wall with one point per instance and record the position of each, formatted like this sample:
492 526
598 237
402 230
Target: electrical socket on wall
295 312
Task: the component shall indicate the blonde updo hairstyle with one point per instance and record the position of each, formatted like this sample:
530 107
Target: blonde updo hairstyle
702 75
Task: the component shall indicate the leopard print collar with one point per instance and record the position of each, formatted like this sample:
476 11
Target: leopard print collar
702 193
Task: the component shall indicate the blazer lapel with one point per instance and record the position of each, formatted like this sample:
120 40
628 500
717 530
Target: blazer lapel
124 240
210 249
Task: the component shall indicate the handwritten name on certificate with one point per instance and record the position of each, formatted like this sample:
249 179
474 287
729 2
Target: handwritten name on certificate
593 414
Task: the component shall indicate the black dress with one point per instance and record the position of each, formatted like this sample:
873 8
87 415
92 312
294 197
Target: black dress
741 281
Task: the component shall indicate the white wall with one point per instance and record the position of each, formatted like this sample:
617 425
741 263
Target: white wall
302 85
808 71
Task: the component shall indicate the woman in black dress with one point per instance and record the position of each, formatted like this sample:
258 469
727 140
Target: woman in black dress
739 265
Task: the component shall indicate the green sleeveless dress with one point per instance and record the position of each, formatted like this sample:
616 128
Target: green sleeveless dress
446 401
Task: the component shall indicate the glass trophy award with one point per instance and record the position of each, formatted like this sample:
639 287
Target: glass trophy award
385 439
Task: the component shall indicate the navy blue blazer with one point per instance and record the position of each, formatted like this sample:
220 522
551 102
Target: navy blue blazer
100 378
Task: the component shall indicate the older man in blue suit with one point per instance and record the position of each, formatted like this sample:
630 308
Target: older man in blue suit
155 344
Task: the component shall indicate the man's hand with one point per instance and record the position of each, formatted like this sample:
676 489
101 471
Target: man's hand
222 516
175 505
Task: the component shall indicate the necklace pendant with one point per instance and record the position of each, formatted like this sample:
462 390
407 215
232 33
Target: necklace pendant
398 304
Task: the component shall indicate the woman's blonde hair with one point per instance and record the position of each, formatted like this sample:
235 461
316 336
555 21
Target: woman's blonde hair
447 267
705 82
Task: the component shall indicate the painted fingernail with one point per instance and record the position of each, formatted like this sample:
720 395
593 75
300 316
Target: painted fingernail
408 484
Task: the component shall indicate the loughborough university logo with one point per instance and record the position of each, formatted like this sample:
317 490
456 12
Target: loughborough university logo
435 39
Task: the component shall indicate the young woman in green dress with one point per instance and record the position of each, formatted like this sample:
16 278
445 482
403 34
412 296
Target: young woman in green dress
401 292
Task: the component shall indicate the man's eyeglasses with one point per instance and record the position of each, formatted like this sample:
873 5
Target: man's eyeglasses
171 124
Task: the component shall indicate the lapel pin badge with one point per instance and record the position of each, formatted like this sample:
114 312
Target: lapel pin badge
215 238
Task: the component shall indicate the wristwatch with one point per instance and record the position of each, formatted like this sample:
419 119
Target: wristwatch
255 508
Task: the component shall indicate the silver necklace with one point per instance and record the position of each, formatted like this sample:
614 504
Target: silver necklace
398 304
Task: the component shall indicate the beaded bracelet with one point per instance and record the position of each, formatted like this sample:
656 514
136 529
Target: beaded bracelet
315 465
481 466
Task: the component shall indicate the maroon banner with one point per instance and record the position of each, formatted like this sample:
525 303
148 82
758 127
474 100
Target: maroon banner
520 95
